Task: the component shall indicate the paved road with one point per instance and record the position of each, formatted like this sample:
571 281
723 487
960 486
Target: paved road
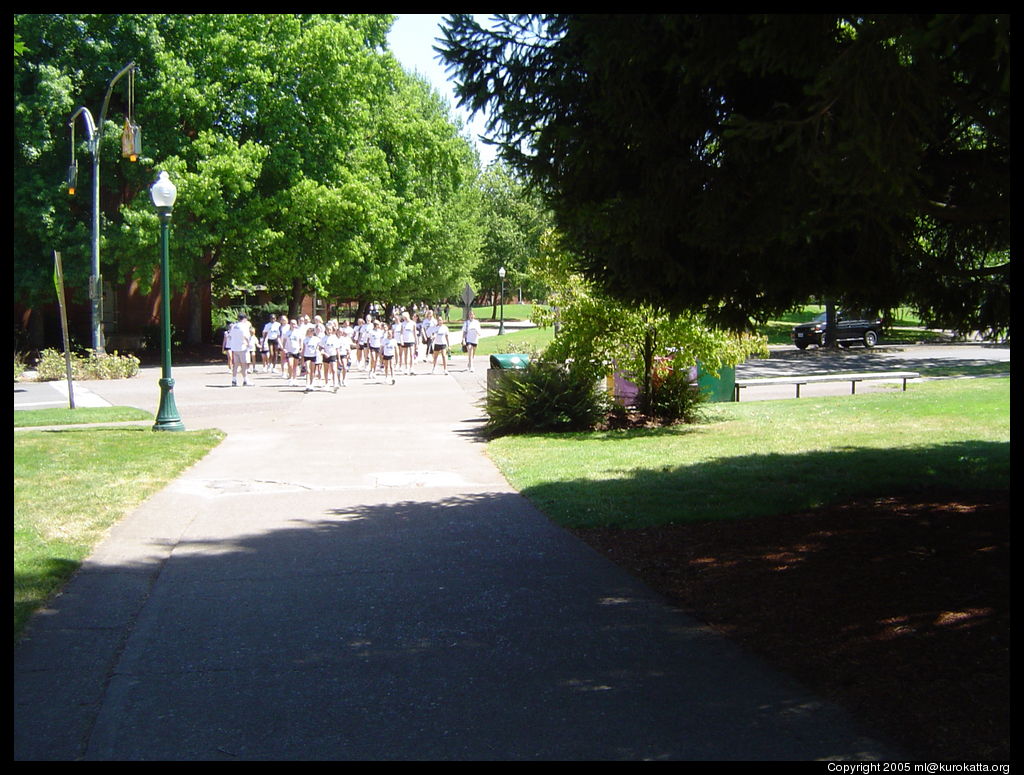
785 361
348 577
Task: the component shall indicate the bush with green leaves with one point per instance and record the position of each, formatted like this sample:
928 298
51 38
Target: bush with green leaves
52 366
545 396
675 397
20 365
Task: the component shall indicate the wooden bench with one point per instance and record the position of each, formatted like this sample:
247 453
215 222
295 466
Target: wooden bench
805 379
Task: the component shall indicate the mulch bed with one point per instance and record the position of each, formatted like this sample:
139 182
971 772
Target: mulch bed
896 608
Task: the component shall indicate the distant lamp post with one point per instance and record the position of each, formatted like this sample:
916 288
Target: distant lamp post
501 325
131 144
164 193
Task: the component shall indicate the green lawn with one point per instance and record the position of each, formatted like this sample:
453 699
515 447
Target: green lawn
527 340
769 457
483 314
28 418
71 485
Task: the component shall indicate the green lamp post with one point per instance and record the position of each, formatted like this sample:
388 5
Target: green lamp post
164 193
501 325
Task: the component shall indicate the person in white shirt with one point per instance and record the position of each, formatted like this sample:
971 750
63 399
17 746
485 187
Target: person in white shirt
329 346
345 345
282 353
271 331
470 336
374 339
388 348
362 335
440 346
310 354
406 343
293 347
239 340
427 331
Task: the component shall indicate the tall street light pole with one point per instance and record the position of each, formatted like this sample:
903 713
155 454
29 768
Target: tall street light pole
94 131
501 325
164 193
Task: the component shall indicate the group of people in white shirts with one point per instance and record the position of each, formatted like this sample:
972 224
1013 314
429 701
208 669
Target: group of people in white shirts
321 354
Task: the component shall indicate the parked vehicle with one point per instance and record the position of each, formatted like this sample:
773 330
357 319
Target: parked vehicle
851 328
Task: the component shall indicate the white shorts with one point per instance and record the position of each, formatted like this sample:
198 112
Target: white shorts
241 356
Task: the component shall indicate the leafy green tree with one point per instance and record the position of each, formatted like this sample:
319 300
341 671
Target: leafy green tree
738 164
599 332
514 220
432 171
305 158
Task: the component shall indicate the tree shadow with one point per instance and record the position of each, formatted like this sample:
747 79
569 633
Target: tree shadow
446 627
892 598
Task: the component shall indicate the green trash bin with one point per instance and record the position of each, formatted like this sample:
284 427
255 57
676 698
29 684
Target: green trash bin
509 361
501 363
717 389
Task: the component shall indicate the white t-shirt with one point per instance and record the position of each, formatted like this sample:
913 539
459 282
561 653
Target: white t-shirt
471 331
441 335
311 346
293 341
330 345
239 335
344 345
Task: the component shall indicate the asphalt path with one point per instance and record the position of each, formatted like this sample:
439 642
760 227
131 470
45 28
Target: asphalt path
347 576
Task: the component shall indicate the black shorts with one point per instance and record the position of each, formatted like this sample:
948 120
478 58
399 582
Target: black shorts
439 347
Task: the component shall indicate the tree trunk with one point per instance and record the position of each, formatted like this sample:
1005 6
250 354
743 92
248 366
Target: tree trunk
295 307
194 326
647 386
830 324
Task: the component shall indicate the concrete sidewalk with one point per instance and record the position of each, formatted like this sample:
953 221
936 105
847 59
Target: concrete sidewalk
348 577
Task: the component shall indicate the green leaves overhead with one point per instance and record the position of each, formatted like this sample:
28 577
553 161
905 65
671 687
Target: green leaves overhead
736 164
304 156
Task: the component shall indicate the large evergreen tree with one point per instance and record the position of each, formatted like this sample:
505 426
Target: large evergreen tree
737 164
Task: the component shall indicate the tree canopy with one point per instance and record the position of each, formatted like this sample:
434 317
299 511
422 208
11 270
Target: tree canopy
306 158
736 165
514 220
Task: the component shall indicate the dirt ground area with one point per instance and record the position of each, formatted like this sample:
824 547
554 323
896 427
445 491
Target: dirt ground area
896 608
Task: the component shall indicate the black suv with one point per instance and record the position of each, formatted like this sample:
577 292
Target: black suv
854 327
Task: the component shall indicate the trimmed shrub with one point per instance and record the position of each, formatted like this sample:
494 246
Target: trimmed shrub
542 397
51 366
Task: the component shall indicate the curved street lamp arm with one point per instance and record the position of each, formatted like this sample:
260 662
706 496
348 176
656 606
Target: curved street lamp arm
106 100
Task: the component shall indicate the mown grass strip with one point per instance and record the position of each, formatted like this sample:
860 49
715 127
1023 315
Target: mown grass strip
769 457
29 418
71 485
